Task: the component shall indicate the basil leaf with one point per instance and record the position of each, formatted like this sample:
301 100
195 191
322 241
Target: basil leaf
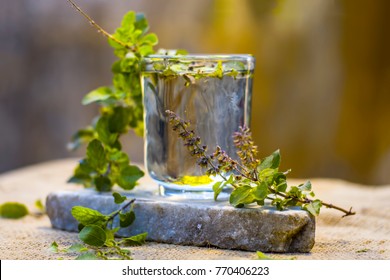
13 210
93 235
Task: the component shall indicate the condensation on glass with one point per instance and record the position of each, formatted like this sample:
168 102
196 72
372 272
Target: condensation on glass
212 92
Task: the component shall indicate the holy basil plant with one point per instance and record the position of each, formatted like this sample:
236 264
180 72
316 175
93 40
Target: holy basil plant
121 109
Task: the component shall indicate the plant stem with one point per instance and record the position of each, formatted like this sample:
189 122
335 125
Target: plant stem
208 158
308 200
113 215
98 27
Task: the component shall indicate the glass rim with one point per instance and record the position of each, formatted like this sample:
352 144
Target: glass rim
201 56
244 62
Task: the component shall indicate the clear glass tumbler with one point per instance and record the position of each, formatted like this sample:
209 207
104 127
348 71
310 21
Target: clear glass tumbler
213 93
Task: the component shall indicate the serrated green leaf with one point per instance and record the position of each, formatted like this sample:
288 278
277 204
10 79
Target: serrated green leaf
118 157
313 207
88 216
103 184
260 192
13 210
96 156
99 94
118 198
87 256
241 196
126 219
135 240
272 161
119 120
103 131
93 235
129 176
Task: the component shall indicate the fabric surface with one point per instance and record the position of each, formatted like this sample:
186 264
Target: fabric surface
363 236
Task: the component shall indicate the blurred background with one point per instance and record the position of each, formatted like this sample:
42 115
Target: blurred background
321 90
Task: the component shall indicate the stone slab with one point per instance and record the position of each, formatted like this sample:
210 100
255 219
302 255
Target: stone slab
195 222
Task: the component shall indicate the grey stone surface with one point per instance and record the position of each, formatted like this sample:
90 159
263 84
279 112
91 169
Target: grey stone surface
199 223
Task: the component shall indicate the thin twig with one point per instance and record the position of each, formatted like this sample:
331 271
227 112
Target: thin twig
308 200
98 27
113 215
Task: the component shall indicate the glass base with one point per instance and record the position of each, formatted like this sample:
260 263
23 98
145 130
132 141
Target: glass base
192 193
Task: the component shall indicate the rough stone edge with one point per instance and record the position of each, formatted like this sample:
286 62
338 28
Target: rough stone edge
302 241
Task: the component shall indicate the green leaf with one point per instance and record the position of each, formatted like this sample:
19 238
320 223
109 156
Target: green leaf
128 20
268 174
141 23
218 72
135 240
81 137
118 157
261 191
118 198
39 205
306 187
119 120
279 203
129 176
145 50
81 174
313 207
87 256
93 235
77 248
150 39
110 234
295 192
217 188
54 247
181 52
103 131
126 219
96 156
103 184
272 161
241 196
262 256
280 182
13 210
230 179
88 216
99 94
